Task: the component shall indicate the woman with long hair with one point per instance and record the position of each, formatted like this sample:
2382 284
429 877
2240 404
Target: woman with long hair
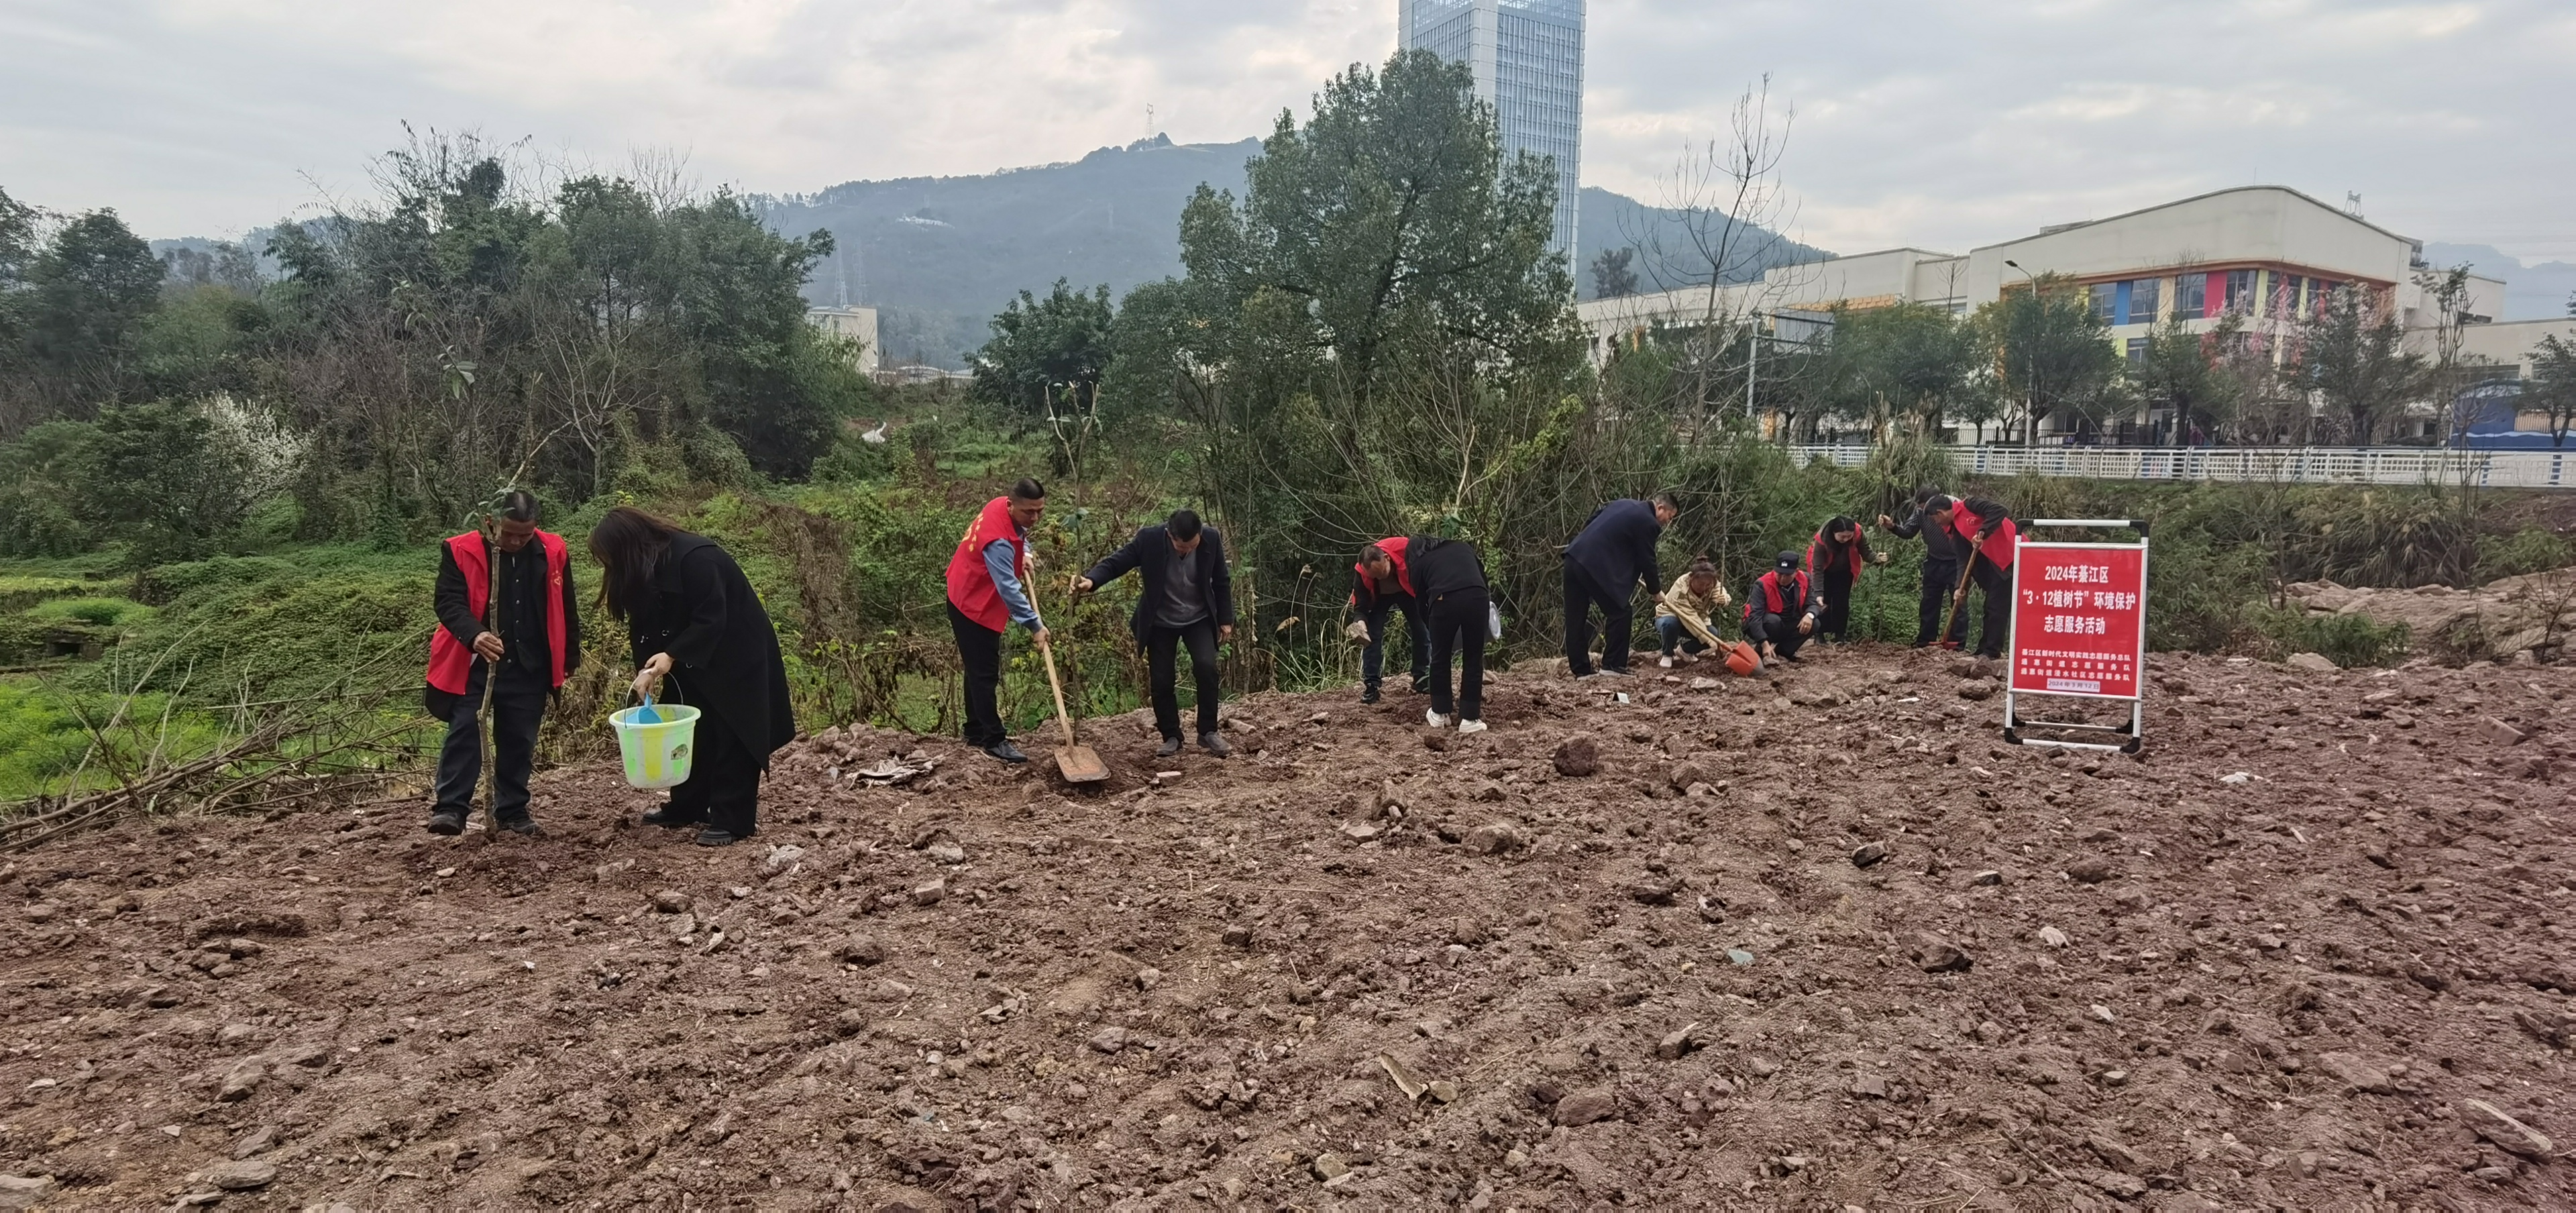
1834 560
698 632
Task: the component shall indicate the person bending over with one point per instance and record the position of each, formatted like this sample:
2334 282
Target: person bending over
1188 603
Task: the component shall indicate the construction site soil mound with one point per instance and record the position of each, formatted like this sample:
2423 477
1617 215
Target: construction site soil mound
1821 941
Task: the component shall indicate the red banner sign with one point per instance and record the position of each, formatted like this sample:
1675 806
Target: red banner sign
2079 619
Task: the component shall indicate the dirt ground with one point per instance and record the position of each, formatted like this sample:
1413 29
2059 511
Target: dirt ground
2312 950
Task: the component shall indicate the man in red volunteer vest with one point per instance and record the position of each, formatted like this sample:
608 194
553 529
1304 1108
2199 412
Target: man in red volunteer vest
1988 533
988 579
1780 610
1382 582
537 644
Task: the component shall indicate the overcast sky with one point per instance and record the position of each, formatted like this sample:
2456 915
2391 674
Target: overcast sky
1943 125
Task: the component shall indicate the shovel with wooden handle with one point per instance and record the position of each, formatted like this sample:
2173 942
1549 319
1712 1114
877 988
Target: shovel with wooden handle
1957 601
1694 624
1077 762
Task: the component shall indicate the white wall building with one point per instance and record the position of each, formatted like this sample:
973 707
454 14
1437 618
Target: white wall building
856 323
2267 252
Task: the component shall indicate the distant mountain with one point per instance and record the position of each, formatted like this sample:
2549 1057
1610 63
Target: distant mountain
2531 292
1613 221
937 256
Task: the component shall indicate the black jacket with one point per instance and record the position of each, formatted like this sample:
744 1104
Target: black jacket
1444 566
1938 542
1617 548
1150 554
1797 601
525 637
724 653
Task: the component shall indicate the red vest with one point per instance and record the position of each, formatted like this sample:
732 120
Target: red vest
1998 547
1821 553
1394 549
450 659
970 584
1770 587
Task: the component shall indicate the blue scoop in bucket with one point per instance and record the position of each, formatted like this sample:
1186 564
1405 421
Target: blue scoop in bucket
646 714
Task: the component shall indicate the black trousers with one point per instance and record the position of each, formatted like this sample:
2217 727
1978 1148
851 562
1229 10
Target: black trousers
1161 644
979 652
1618 623
1835 620
1373 658
1996 585
723 787
518 706
1782 632
1459 626
1939 578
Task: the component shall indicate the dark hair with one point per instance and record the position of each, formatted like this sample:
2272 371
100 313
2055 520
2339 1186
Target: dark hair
1926 492
1837 525
1028 489
1938 502
1183 524
628 543
1373 553
1665 500
518 505
1702 566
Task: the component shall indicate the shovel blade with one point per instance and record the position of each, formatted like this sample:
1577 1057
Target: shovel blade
1081 764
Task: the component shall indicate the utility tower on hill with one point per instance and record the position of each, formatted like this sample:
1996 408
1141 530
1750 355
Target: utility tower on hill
1528 60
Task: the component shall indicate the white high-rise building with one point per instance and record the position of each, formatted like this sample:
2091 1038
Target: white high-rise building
1528 59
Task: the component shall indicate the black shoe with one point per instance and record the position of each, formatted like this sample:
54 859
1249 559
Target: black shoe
450 822
1170 746
1421 685
523 825
1368 694
1003 750
712 837
1215 744
1791 657
670 819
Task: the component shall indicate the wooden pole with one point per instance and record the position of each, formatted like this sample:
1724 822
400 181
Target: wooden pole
491 674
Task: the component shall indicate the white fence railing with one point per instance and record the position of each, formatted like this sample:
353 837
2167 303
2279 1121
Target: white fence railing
2286 465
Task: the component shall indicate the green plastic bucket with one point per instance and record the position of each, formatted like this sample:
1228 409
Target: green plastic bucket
656 755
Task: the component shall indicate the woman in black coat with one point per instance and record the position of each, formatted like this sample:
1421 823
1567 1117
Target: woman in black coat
691 618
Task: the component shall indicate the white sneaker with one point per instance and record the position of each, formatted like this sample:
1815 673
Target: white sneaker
1665 662
1471 726
1435 720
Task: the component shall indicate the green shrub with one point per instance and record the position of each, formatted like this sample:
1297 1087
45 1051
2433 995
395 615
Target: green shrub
98 612
2529 550
2346 640
41 739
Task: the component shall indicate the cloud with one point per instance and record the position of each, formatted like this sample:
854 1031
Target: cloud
1961 123
1939 125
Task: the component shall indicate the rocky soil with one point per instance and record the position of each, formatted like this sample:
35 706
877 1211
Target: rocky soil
2520 620
1817 942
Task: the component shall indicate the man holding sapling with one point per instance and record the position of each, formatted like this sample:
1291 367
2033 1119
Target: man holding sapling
533 642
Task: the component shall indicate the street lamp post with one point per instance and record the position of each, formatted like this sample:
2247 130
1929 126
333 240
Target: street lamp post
2030 384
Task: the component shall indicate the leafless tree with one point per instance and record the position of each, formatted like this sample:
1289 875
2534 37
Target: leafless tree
1728 208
